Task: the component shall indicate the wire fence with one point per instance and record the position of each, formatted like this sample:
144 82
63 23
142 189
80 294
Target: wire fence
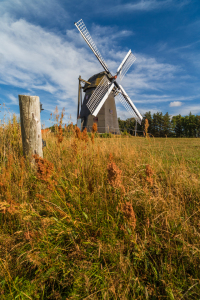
112 130
117 130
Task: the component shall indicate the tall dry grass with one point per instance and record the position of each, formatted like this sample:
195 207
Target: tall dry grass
114 218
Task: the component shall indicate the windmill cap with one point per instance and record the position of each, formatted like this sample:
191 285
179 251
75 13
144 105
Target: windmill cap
94 80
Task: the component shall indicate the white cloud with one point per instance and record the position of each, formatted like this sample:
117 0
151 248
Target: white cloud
185 110
32 58
148 5
35 11
35 59
147 74
162 98
123 114
14 99
175 103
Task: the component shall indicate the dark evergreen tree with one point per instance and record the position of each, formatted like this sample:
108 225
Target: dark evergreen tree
179 126
185 126
192 125
131 125
167 126
198 126
163 125
173 125
157 123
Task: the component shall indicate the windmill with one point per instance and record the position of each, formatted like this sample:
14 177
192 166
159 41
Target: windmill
102 89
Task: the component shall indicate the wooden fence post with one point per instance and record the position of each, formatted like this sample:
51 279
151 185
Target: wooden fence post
30 125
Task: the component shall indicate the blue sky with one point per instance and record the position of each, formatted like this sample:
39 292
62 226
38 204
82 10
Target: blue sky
42 52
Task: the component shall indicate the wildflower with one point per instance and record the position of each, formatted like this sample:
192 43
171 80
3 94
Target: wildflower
74 147
129 214
84 136
60 134
146 126
94 127
149 174
44 168
92 138
78 133
114 174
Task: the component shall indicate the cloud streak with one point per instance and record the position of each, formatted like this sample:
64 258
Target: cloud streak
35 59
185 110
37 11
150 5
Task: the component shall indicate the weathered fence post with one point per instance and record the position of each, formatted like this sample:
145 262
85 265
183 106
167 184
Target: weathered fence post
30 125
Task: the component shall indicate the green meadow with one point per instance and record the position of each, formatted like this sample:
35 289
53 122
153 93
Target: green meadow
99 218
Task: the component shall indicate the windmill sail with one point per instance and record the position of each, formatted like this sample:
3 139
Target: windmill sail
100 95
108 83
128 104
126 64
87 37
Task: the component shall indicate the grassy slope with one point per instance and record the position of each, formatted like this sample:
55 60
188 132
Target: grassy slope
113 219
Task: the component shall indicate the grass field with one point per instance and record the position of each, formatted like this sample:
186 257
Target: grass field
115 218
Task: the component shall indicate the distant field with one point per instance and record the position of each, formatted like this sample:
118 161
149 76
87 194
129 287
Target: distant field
100 218
171 150
167 150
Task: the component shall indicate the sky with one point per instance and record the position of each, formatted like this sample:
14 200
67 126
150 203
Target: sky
42 53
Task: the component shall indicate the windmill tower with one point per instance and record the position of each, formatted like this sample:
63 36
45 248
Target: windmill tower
106 118
101 90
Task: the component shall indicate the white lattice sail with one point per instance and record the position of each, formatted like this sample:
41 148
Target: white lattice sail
87 37
99 95
128 104
126 64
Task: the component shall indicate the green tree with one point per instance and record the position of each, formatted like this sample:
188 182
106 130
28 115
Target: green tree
192 125
167 128
163 125
157 128
131 125
185 124
173 125
179 126
198 126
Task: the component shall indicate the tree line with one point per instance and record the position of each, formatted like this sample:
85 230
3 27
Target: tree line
162 125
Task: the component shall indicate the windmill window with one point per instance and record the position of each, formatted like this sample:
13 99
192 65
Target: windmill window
111 111
95 119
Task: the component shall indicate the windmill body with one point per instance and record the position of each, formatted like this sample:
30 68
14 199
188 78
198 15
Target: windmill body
102 89
106 118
